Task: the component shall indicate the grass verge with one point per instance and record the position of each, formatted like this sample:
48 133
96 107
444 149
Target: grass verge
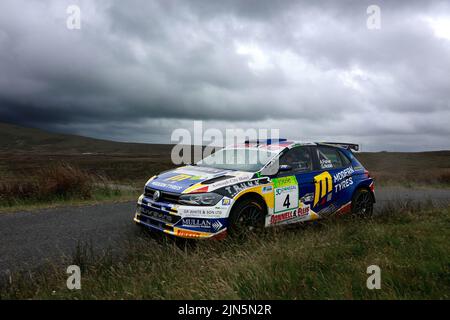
60 184
322 260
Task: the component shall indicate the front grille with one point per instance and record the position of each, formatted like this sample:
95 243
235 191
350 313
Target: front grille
165 196
155 223
159 216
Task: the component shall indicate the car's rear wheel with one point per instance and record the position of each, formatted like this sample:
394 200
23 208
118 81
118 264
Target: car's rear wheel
247 215
362 203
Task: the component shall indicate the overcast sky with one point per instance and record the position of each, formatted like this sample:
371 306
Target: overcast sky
137 70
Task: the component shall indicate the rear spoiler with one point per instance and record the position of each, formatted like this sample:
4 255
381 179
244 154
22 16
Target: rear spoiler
348 146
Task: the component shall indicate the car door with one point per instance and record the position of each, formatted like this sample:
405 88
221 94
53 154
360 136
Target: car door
293 189
333 182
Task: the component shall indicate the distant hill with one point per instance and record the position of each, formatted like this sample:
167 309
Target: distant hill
25 149
15 138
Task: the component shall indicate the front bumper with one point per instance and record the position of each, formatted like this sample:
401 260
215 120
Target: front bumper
193 222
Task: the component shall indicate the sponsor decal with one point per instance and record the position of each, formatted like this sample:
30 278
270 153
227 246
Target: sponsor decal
230 181
281 217
347 172
303 211
217 225
232 191
323 187
182 177
343 184
166 185
343 179
210 224
285 189
157 215
226 202
291 215
326 164
267 189
195 212
179 177
198 223
284 181
307 198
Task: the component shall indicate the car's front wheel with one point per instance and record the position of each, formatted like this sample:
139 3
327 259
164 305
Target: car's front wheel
247 215
362 203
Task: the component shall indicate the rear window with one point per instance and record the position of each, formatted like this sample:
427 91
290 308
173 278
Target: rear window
329 158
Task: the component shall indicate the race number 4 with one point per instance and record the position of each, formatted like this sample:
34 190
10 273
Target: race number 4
286 194
286 202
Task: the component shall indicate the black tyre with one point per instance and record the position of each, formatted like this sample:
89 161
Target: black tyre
362 203
247 215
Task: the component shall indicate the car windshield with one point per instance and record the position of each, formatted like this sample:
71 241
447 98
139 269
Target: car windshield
242 159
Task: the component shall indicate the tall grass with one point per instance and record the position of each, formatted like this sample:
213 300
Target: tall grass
444 178
431 178
60 181
322 260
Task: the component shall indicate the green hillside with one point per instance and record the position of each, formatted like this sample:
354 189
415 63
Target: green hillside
15 138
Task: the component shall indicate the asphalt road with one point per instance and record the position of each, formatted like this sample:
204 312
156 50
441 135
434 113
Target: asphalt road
28 239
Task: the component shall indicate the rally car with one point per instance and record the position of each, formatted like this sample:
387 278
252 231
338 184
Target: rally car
254 185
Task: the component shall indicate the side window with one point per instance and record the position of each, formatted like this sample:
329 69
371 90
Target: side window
345 160
298 158
329 158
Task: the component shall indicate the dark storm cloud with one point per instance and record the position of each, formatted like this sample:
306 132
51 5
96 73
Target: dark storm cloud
139 69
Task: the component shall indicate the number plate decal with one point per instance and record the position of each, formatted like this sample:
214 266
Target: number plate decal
285 193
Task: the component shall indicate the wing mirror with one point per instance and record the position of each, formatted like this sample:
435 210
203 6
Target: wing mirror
274 168
284 167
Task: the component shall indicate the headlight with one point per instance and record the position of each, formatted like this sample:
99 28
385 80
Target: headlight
148 181
201 199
